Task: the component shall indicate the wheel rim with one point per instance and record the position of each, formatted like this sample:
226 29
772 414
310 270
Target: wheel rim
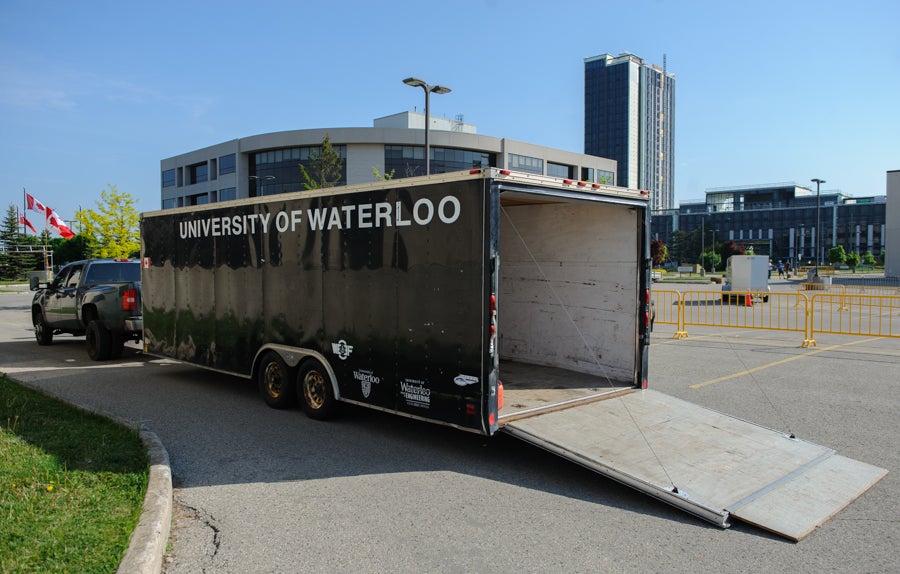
274 378
314 389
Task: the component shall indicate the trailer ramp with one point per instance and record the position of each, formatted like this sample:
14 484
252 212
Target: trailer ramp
719 466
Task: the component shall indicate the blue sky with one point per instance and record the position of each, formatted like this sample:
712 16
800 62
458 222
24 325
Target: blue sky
97 93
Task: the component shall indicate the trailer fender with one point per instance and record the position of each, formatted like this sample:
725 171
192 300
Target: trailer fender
293 356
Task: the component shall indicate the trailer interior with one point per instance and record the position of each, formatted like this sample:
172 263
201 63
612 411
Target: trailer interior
568 301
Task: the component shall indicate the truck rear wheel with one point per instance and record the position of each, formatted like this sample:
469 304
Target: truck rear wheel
98 341
315 390
275 382
43 333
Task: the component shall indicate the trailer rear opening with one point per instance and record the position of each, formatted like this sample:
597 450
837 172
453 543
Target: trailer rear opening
569 301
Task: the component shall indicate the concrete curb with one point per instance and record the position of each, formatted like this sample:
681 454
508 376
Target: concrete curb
148 541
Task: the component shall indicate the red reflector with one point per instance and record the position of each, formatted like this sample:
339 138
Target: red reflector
581 183
500 396
645 192
474 171
493 302
567 181
470 409
646 319
504 172
644 384
596 186
491 419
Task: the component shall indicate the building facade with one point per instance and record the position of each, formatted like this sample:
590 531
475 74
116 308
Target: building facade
629 116
267 164
779 220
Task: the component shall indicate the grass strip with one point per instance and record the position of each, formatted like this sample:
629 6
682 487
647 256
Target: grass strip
71 485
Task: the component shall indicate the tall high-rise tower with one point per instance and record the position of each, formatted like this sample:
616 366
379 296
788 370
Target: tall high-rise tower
629 116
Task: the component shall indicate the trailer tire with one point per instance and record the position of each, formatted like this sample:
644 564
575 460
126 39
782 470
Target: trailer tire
99 341
43 332
315 391
275 381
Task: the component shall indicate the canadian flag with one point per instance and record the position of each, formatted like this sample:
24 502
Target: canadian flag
57 222
24 221
35 204
50 216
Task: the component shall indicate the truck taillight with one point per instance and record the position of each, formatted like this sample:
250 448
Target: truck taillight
129 300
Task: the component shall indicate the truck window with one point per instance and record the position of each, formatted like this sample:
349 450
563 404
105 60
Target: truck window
113 273
72 279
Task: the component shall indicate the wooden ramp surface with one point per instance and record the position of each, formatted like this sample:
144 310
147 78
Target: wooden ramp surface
704 462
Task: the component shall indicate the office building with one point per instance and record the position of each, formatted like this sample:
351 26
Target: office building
267 164
629 116
779 220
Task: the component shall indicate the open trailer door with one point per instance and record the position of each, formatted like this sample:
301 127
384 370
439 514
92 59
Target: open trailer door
707 463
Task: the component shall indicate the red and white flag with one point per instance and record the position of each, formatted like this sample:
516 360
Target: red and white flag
24 221
60 225
35 205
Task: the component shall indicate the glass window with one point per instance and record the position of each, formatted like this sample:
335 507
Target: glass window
168 178
525 163
198 173
559 170
228 194
227 164
169 203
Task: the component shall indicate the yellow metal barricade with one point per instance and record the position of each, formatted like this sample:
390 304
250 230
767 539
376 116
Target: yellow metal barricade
779 311
666 307
855 314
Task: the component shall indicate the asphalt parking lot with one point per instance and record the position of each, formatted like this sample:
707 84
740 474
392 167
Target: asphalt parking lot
259 490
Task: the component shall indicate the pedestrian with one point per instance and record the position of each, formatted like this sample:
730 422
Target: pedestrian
780 270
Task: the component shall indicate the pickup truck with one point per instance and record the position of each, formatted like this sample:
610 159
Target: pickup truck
97 298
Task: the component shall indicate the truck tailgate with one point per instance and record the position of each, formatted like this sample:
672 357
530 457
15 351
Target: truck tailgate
719 466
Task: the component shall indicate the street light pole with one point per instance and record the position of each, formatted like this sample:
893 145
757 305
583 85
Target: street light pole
417 83
259 179
818 182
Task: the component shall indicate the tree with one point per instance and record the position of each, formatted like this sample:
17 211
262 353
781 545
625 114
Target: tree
112 230
386 176
711 260
324 167
15 263
852 260
837 255
868 259
658 252
730 248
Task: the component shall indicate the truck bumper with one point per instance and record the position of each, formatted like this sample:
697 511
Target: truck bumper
134 324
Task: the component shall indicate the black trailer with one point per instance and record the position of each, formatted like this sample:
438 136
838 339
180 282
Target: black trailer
485 300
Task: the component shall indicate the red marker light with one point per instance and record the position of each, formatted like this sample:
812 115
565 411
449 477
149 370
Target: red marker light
504 172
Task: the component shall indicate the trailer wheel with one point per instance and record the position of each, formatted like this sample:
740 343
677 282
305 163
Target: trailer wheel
42 331
275 382
99 341
315 391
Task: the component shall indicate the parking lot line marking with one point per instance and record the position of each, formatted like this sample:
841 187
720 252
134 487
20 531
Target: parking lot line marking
777 363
